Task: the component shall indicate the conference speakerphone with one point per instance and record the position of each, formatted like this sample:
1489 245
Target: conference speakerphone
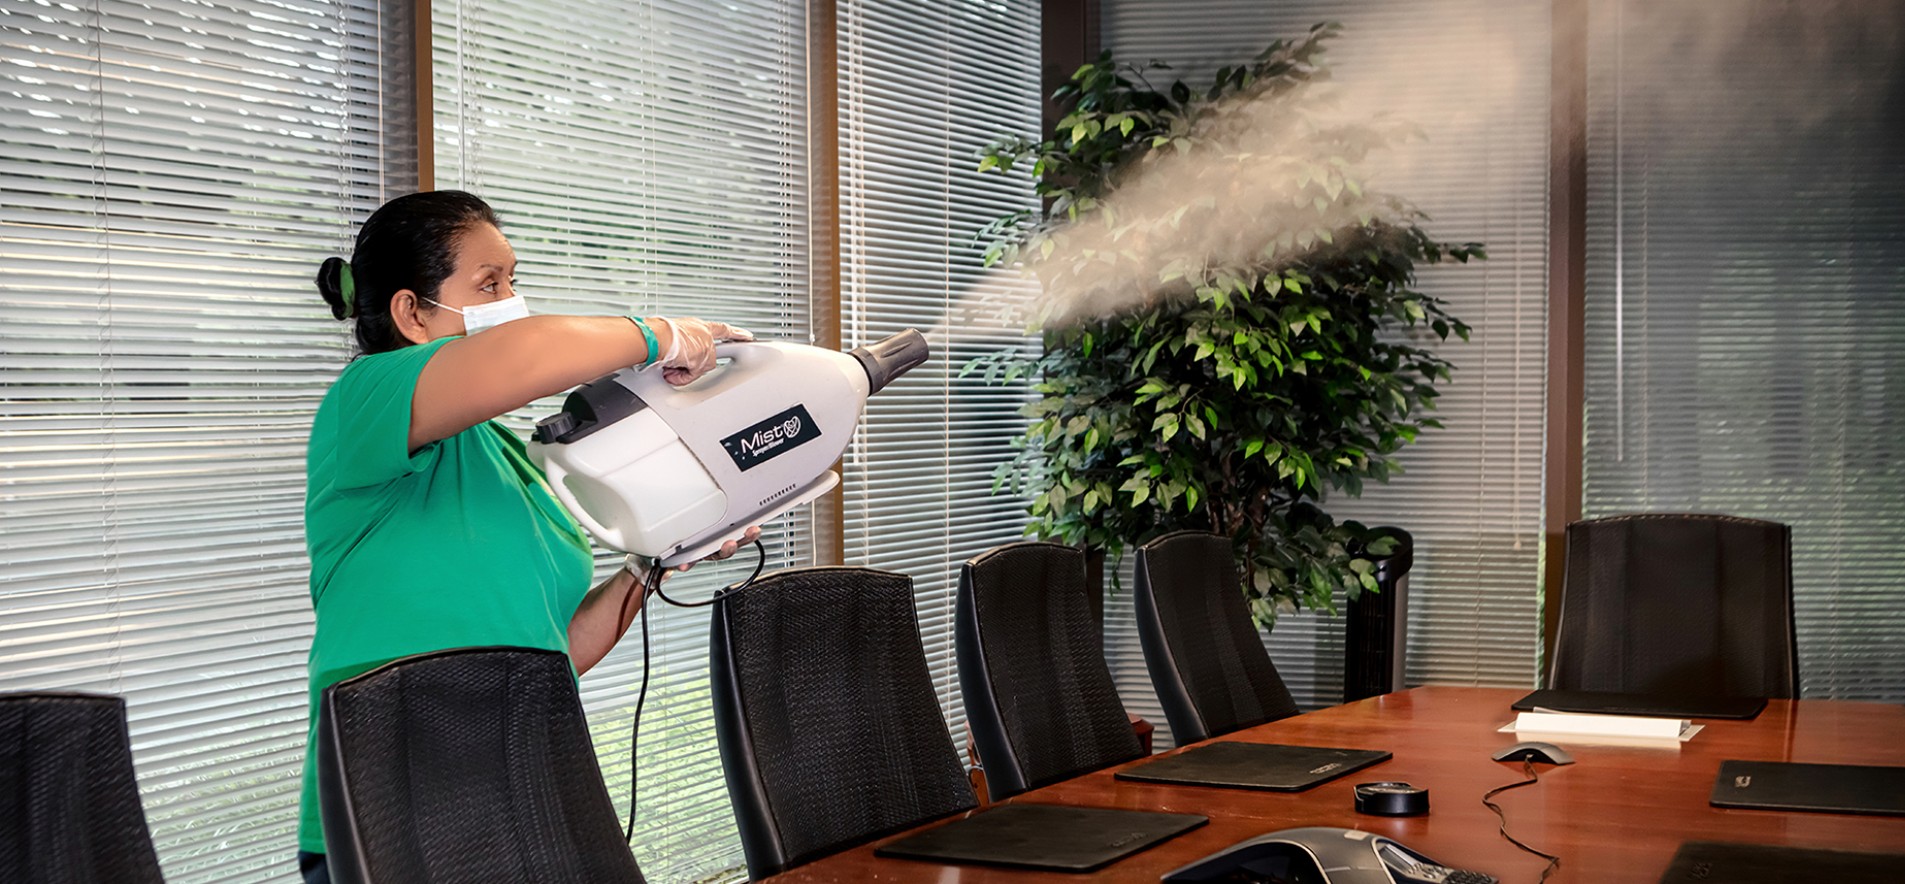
1321 855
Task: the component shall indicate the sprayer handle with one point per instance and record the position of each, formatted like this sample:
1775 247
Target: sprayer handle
736 351
558 475
649 377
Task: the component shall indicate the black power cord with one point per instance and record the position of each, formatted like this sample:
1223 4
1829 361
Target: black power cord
652 586
1527 770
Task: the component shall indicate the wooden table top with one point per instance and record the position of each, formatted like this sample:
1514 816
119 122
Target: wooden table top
1618 814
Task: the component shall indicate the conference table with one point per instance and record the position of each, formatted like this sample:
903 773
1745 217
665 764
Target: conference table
1617 814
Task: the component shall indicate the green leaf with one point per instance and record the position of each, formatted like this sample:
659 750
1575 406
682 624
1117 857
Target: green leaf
988 162
1125 127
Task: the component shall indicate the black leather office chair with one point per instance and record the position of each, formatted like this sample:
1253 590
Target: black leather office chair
1678 605
469 765
1039 697
1205 656
829 729
69 802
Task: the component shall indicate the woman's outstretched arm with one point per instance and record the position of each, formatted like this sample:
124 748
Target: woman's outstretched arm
473 379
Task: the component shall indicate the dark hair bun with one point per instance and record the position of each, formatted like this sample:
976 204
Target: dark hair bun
330 284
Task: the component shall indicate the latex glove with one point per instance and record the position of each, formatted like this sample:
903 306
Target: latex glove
641 566
691 343
729 548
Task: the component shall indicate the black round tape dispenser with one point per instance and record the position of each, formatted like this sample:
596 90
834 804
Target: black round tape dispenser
1391 799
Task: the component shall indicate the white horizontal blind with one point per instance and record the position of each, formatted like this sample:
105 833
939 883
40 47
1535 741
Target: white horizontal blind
172 174
1746 298
645 158
1474 75
923 87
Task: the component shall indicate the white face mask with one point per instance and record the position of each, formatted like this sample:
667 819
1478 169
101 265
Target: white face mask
478 317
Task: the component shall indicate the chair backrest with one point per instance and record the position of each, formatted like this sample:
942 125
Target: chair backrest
829 729
1039 697
69 803
1204 653
467 765
1678 605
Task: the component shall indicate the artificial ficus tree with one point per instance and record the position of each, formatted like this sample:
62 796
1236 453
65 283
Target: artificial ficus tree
1231 324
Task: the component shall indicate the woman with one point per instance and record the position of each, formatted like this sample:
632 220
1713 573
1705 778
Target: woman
427 525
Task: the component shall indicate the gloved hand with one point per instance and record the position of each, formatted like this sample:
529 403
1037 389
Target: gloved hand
640 565
690 352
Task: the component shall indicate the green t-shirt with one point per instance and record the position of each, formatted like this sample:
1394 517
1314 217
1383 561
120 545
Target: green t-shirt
458 544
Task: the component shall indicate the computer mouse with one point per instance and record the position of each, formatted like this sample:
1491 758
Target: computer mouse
1545 753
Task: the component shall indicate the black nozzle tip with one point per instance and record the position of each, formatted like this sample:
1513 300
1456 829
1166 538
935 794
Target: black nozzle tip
890 357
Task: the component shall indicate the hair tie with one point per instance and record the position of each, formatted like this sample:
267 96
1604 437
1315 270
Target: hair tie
347 289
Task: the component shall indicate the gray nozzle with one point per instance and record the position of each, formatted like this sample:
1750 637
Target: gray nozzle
891 357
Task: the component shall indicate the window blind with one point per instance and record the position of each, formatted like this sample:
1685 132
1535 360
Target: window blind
172 174
645 158
922 88
1474 75
1746 298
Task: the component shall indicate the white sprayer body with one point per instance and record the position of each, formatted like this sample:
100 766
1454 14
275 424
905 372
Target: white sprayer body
687 468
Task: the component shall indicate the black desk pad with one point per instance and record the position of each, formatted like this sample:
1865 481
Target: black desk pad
1043 836
1831 788
1268 766
1714 862
1609 703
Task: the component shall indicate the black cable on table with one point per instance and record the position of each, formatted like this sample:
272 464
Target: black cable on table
1527 770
